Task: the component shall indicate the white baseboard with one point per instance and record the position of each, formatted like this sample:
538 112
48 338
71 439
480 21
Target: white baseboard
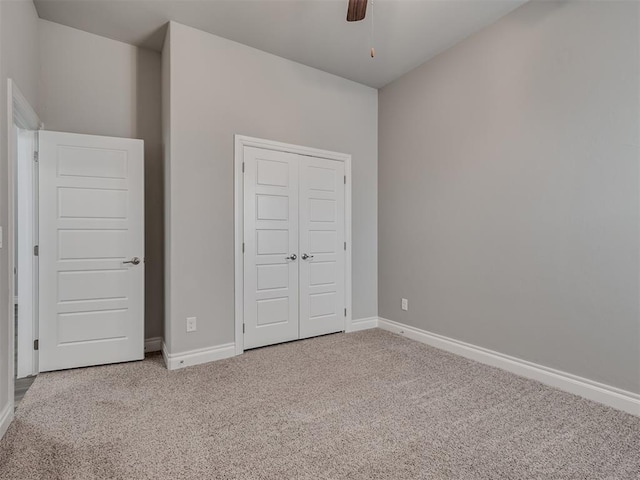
153 344
6 416
174 361
363 324
598 392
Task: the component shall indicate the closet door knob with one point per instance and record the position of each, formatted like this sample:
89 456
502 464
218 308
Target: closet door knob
292 257
306 257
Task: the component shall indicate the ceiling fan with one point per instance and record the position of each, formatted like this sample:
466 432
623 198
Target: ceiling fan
356 10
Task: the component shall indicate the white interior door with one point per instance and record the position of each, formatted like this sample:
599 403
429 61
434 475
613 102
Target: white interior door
270 247
322 247
91 223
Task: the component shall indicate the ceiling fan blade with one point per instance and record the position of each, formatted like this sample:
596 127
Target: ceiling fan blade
357 10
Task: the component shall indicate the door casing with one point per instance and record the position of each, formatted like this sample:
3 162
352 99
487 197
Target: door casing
20 114
27 262
241 141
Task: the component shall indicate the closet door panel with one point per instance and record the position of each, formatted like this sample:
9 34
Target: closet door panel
271 247
322 254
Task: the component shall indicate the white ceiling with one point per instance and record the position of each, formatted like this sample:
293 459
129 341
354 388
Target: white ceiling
312 32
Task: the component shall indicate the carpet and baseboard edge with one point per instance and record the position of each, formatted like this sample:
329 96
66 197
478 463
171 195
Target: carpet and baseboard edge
363 324
174 361
592 390
598 392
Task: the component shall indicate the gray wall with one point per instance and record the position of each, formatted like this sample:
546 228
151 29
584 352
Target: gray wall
219 88
508 201
93 85
18 61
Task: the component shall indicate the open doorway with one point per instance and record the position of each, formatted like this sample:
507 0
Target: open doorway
26 265
76 249
23 143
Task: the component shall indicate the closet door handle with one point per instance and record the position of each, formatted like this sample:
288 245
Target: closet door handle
305 256
292 257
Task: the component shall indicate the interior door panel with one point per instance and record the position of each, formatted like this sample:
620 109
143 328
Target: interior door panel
91 222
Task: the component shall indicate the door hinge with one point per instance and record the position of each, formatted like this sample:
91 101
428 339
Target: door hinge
345 312
36 251
243 328
36 156
242 167
345 179
36 344
345 245
242 247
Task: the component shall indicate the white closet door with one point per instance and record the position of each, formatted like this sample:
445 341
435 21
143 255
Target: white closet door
322 236
271 247
91 250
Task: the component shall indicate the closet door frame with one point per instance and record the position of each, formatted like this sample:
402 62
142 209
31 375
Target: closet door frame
240 142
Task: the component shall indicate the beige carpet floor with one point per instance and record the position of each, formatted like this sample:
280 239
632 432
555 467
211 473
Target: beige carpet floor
367 405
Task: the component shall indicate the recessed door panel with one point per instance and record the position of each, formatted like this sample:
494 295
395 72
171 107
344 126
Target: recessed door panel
272 311
272 241
273 276
321 179
108 325
272 207
89 285
322 273
322 210
321 241
100 203
322 304
92 162
272 172
92 244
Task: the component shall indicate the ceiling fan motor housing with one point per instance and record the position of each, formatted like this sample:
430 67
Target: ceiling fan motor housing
356 10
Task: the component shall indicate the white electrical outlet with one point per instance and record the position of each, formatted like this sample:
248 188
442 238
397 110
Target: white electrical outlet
405 304
191 324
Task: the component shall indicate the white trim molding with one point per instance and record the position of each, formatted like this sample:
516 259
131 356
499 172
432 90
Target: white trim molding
6 417
598 392
362 324
24 116
174 361
241 141
153 344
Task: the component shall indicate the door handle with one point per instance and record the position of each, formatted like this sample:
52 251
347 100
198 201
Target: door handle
134 261
305 256
292 257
